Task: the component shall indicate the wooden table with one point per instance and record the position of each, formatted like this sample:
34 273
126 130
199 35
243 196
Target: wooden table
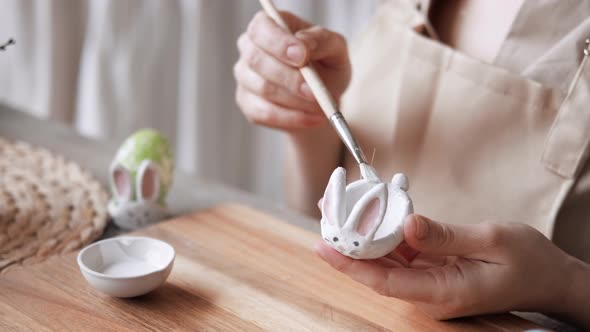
236 269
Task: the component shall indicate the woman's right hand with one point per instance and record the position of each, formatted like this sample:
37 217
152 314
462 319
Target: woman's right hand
270 88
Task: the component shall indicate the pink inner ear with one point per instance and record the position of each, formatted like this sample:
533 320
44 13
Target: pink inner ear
148 184
122 183
369 217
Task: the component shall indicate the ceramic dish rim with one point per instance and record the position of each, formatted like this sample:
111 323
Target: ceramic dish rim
94 273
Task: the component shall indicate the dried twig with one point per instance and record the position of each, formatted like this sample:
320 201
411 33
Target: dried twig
8 43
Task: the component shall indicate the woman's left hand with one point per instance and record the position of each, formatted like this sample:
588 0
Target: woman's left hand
450 270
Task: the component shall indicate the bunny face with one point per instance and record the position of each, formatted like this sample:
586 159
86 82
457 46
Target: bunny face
134 203
134 215
364 220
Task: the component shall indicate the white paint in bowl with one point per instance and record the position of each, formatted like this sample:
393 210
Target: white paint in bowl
126 266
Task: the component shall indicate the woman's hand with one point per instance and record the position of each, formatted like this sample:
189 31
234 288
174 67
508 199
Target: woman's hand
452 270
270 90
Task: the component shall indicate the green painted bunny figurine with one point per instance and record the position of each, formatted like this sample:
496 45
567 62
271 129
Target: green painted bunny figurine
140 177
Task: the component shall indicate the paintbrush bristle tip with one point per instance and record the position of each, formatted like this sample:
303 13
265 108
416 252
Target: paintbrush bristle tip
369 173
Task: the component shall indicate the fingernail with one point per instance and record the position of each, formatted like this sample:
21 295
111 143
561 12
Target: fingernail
295 54
306 92
422 227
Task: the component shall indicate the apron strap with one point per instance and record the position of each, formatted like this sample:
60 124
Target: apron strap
568 142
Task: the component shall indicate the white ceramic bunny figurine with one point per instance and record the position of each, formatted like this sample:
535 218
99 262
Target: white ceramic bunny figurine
365 219
140 177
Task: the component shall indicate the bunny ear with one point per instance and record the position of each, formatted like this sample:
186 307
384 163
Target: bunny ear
367 214
148 181
400 180
120 182
333 204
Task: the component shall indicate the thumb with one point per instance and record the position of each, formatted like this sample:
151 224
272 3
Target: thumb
444 239
326 46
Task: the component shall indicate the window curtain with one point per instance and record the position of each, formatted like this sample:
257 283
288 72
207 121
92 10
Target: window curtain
110 67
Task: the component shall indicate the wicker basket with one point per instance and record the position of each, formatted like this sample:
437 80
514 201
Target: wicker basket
48 205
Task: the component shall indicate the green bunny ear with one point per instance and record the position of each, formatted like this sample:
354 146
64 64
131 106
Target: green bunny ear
147 181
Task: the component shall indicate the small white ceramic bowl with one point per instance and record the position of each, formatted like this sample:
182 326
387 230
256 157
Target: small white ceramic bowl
126 266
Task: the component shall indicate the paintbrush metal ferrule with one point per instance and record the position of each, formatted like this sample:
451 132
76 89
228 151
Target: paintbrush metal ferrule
339 123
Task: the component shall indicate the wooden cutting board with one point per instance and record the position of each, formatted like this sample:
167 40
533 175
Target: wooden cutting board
236 269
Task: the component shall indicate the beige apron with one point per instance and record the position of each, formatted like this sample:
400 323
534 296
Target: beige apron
477 142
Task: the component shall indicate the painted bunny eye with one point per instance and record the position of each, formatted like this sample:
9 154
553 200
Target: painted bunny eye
335 239
356 244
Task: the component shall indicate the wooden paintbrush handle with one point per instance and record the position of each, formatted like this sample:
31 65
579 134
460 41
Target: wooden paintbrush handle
311 76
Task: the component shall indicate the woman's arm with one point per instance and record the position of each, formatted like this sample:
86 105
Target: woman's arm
311 158
576 300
